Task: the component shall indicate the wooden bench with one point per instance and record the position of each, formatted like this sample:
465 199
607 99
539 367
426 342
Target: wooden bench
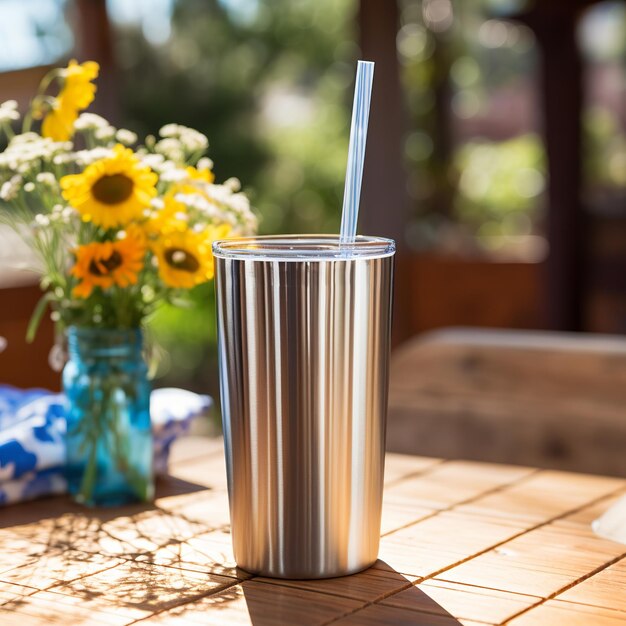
553 400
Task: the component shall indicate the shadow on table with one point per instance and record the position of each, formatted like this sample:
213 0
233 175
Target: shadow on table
33 511
379 595
136 559
50 527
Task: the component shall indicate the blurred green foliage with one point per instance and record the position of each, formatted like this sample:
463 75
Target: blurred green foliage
499 184
271 88
474 168
468 171
605 154
270 84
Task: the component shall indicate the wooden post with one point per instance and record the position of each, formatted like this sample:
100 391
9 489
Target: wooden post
563 100
94 42
554 24
384 198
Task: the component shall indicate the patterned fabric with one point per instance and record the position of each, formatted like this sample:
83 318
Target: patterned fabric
32 447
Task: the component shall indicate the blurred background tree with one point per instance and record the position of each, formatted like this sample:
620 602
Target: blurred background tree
269 84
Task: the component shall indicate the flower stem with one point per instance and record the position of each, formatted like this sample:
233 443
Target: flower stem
89 477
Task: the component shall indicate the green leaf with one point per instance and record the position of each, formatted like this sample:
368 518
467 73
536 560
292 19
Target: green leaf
35 318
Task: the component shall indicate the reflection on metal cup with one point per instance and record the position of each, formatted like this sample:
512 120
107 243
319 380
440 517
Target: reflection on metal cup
303 332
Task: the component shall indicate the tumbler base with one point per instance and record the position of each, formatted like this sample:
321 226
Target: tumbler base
304 575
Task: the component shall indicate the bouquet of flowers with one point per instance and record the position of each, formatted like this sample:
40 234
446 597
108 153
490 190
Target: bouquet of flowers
117 228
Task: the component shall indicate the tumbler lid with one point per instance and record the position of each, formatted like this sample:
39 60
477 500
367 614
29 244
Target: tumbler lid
303 248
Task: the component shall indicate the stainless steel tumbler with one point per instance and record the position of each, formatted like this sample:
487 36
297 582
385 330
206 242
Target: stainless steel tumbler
303 332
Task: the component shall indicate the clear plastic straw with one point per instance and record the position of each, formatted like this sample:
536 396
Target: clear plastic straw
356 151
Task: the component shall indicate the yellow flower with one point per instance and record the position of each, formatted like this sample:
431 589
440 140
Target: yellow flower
59 122
136 232
108 263
170 217
185 258
77 93
112 191
205 175
78 90
189 185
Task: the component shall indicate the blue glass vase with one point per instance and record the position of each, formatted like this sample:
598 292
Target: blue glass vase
108 439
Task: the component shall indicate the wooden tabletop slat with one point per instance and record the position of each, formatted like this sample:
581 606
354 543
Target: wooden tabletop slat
140 589
453 482
599 589
554 612
254 602
45 608
196 448
426 548
371 585
400 466
376 614
540 562
462 601
586 515
57 567
463 543
397 515
12 594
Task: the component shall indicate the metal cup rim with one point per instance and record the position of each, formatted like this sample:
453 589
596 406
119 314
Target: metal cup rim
301 247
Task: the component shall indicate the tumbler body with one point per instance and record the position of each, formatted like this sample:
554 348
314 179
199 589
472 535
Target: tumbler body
304 343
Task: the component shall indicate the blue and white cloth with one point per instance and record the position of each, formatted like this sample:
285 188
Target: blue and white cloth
32 429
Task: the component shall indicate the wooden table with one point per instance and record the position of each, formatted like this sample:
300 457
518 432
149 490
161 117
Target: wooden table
463 543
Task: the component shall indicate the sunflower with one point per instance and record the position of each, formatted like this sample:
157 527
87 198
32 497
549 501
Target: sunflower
77 93
107 263
112 191
185 258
